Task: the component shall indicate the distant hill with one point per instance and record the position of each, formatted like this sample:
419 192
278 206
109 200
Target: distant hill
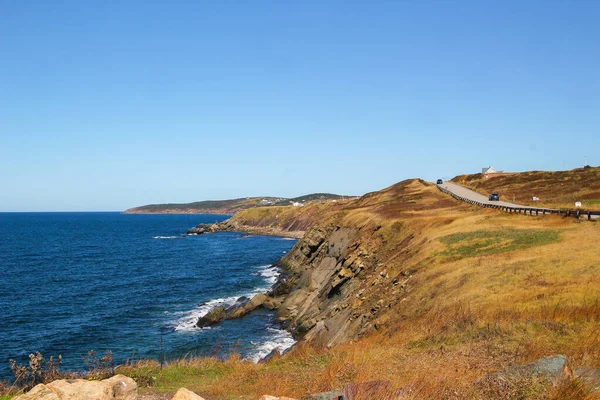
228 206
204 207
556 189
311 197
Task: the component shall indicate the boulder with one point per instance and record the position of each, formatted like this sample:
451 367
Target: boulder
39 392
274 354
512 382
215 315
590 377
239 311
81 389
184 394
553 368
325 396
272 303
122 387
368 390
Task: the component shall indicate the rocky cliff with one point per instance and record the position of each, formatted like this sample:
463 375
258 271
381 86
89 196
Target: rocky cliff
355 262
352 270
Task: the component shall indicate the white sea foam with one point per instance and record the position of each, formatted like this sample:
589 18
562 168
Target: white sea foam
186 321
278 339
271 274
166 237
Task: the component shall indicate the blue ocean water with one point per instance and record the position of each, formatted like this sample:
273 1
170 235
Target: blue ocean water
74 282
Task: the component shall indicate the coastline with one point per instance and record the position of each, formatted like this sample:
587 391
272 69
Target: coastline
271 299
231 226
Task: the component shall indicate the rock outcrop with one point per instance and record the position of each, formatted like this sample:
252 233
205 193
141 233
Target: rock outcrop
589 377
184 394
119 387
238 310
39 392
123 387
553 369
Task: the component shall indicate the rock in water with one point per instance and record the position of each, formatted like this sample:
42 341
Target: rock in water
215 315
184 394
243 309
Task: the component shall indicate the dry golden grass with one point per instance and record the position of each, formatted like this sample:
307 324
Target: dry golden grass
451 321
556 189
459 318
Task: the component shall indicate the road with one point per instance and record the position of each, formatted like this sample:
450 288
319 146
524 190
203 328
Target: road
474 196
469 195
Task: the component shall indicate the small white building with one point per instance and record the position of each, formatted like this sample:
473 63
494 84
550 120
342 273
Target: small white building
488 170
296 204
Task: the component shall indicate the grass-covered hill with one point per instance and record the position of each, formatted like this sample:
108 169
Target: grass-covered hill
229 206
203 207
428 294
555 189
312 197
412 287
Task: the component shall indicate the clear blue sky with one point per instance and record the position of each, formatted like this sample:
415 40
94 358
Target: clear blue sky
106 105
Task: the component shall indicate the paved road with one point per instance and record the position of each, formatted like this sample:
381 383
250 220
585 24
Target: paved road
474 196
471 195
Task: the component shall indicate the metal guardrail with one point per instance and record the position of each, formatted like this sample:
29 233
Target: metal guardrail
524 210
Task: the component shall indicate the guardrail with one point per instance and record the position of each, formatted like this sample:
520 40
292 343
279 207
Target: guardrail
524 210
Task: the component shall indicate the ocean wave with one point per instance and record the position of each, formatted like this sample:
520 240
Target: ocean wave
278 339
271 274
186 320
167 237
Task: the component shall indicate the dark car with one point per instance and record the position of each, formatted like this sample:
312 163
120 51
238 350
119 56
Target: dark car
439 181
494 197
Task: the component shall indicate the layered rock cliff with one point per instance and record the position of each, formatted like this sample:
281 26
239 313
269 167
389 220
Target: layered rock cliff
355 262
353 268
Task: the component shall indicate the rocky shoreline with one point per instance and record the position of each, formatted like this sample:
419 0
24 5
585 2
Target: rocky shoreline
233 226
271 300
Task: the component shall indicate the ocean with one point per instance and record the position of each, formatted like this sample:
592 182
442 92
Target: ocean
131 284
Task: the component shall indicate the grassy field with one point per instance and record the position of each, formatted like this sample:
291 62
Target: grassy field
470 291
555 189
487 290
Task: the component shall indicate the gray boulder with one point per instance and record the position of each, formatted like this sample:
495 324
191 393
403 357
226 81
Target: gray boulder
325 396
215 315
590 377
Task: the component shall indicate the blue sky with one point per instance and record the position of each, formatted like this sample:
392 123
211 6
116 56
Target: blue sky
105 105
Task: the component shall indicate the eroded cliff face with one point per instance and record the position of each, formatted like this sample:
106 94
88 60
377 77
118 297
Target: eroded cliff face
351 272
356 263
322 267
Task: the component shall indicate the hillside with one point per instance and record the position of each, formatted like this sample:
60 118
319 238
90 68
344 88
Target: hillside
229 206
429 294
409 287
202 207
555 189
312 197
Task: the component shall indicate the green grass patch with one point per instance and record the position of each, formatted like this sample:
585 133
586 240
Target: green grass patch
477 243
592 202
